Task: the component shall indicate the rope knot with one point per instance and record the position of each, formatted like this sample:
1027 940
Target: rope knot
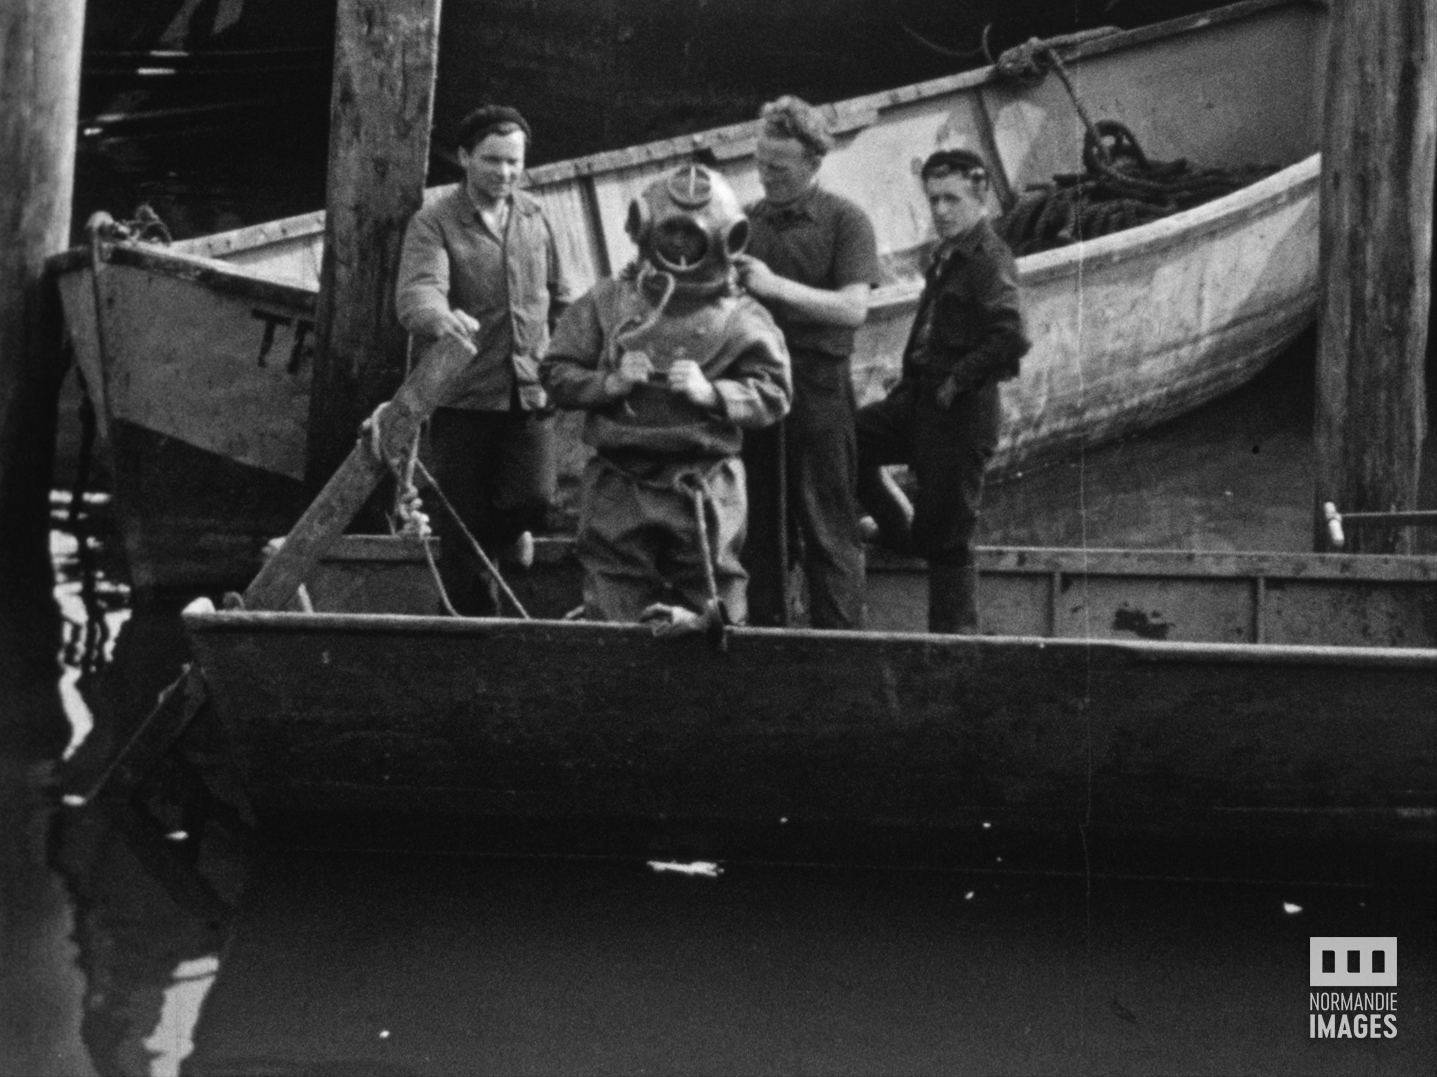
1027 64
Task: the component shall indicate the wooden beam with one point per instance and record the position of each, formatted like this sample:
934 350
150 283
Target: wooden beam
357 476
380 113
1378 149
39 97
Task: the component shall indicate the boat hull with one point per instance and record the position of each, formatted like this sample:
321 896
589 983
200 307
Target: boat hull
1161 698
555 722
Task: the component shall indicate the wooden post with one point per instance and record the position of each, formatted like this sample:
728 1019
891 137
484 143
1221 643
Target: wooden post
380 112
1378 150
39 99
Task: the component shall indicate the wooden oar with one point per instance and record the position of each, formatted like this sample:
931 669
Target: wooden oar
325 519
350 486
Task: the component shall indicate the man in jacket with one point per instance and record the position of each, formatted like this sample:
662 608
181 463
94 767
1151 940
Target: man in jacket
480 264
944 416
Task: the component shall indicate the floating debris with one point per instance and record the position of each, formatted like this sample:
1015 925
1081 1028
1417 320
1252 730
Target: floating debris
706 868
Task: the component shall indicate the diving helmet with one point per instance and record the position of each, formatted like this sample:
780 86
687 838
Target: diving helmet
690 225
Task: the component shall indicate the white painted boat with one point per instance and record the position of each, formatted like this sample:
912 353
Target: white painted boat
199 360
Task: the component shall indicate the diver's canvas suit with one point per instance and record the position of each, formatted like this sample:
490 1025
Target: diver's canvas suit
665 479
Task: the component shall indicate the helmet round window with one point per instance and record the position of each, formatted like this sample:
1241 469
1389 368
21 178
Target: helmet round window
679 243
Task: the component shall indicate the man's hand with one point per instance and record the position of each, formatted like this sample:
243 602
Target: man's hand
391 430
686 379
634 367
755 275
460 326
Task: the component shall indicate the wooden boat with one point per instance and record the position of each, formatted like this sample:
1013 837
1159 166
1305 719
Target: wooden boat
199 360
1143 698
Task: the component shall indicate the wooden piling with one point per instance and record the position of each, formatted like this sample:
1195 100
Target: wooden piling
380 111
1378 150
39 98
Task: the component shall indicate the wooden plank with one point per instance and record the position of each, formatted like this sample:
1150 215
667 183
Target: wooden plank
350 486
380 111
1378 155
577 230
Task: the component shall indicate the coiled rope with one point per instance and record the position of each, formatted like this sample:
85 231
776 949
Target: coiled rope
1119 188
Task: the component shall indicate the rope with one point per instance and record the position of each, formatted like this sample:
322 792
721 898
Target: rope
1029 63
489 565
1119 188
933 46
695 483
713 620
415 522
698 492
637 326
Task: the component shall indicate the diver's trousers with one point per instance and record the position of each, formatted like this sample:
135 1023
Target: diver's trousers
639 538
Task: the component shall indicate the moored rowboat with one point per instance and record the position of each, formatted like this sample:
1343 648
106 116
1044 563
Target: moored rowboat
199 356
1283 700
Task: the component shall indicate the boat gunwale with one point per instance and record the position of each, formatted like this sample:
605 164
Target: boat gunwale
1234 566
1140 563
211 272
1252 202
1147 651
847 115
1248 203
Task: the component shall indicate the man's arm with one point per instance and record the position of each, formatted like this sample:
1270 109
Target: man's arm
846 306
756 389
421 296
1000 341
855 271
562 290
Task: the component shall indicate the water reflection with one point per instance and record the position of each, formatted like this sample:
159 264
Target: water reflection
113 924
93 604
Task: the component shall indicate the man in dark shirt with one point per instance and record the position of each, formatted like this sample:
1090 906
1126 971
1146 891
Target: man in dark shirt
811 259
944 415
480 264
